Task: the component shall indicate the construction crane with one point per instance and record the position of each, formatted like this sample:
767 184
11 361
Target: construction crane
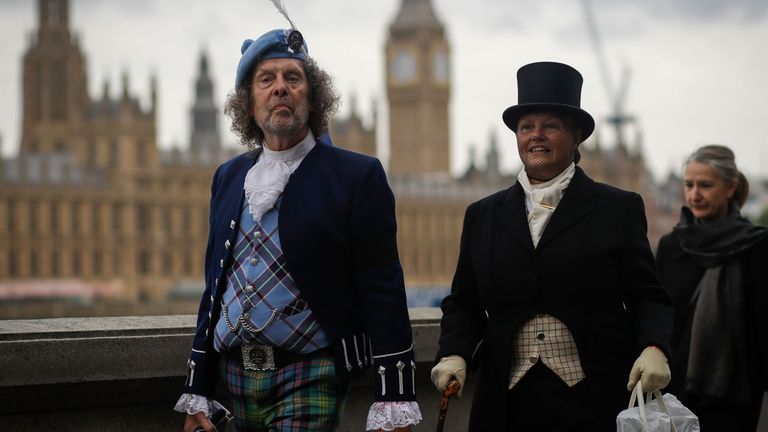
617 96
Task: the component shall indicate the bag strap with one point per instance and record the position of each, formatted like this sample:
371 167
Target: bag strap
637 395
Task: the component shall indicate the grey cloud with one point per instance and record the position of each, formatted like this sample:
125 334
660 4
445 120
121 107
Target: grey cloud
494 15
697 10
613 16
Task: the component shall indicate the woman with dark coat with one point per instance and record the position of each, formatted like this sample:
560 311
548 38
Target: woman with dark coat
555 294
715 265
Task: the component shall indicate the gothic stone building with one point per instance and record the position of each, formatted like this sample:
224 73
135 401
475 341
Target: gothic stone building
91 206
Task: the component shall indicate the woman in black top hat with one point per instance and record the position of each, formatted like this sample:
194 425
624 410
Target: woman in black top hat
555 294
714 265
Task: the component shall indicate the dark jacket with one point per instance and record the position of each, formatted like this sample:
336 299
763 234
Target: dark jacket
338 234
593 270
680 275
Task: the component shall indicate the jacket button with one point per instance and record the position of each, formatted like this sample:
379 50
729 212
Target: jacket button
540 336
533 359
221 263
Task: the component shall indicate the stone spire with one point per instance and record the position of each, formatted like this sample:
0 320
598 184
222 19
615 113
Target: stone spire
205 141
53 19
492 157
416 15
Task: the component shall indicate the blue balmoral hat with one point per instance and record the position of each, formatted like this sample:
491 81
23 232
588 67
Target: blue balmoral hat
278 43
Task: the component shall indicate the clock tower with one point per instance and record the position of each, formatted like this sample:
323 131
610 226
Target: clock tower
418 90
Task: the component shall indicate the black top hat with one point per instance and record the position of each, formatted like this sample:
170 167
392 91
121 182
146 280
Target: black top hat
549 86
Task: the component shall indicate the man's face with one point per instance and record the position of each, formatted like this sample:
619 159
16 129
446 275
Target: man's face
280 96
546 145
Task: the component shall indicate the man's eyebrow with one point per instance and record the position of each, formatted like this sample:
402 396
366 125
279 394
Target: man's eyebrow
293 69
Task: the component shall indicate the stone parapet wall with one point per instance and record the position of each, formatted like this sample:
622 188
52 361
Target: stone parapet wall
125 374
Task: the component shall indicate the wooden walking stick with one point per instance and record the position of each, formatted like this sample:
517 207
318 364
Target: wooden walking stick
451 389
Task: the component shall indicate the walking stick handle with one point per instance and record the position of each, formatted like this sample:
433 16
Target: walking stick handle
451 389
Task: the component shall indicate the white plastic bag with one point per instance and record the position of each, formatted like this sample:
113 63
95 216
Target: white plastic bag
654 416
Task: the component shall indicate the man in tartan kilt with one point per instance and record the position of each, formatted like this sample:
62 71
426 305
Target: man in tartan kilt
304 289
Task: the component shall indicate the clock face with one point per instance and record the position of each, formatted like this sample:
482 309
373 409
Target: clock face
440 66
403 66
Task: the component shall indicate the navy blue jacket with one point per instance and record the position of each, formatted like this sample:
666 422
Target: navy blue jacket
338 234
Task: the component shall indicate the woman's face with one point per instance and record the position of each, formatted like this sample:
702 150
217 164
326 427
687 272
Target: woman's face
546 145
706 192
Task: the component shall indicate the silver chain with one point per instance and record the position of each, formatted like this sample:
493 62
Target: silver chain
241 321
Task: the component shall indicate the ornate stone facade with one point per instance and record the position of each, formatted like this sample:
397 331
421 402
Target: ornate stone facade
93 204
91 199
352 133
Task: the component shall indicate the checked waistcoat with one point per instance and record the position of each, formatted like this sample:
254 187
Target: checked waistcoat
545 338
261 302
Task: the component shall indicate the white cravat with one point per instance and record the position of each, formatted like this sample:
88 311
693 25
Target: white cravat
267 178
542 199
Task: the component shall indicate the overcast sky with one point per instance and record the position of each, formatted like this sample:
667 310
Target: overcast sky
699 68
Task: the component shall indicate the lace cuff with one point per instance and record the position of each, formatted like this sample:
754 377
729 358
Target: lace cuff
191 404
391 415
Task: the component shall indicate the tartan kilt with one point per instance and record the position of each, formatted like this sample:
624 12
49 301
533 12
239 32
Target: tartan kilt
303 396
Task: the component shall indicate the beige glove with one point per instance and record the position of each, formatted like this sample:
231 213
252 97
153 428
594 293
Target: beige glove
449 367
652 369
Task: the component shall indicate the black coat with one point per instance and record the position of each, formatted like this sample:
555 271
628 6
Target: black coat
593 270
680 275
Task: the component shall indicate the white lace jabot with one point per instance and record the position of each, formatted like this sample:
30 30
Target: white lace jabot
267 178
